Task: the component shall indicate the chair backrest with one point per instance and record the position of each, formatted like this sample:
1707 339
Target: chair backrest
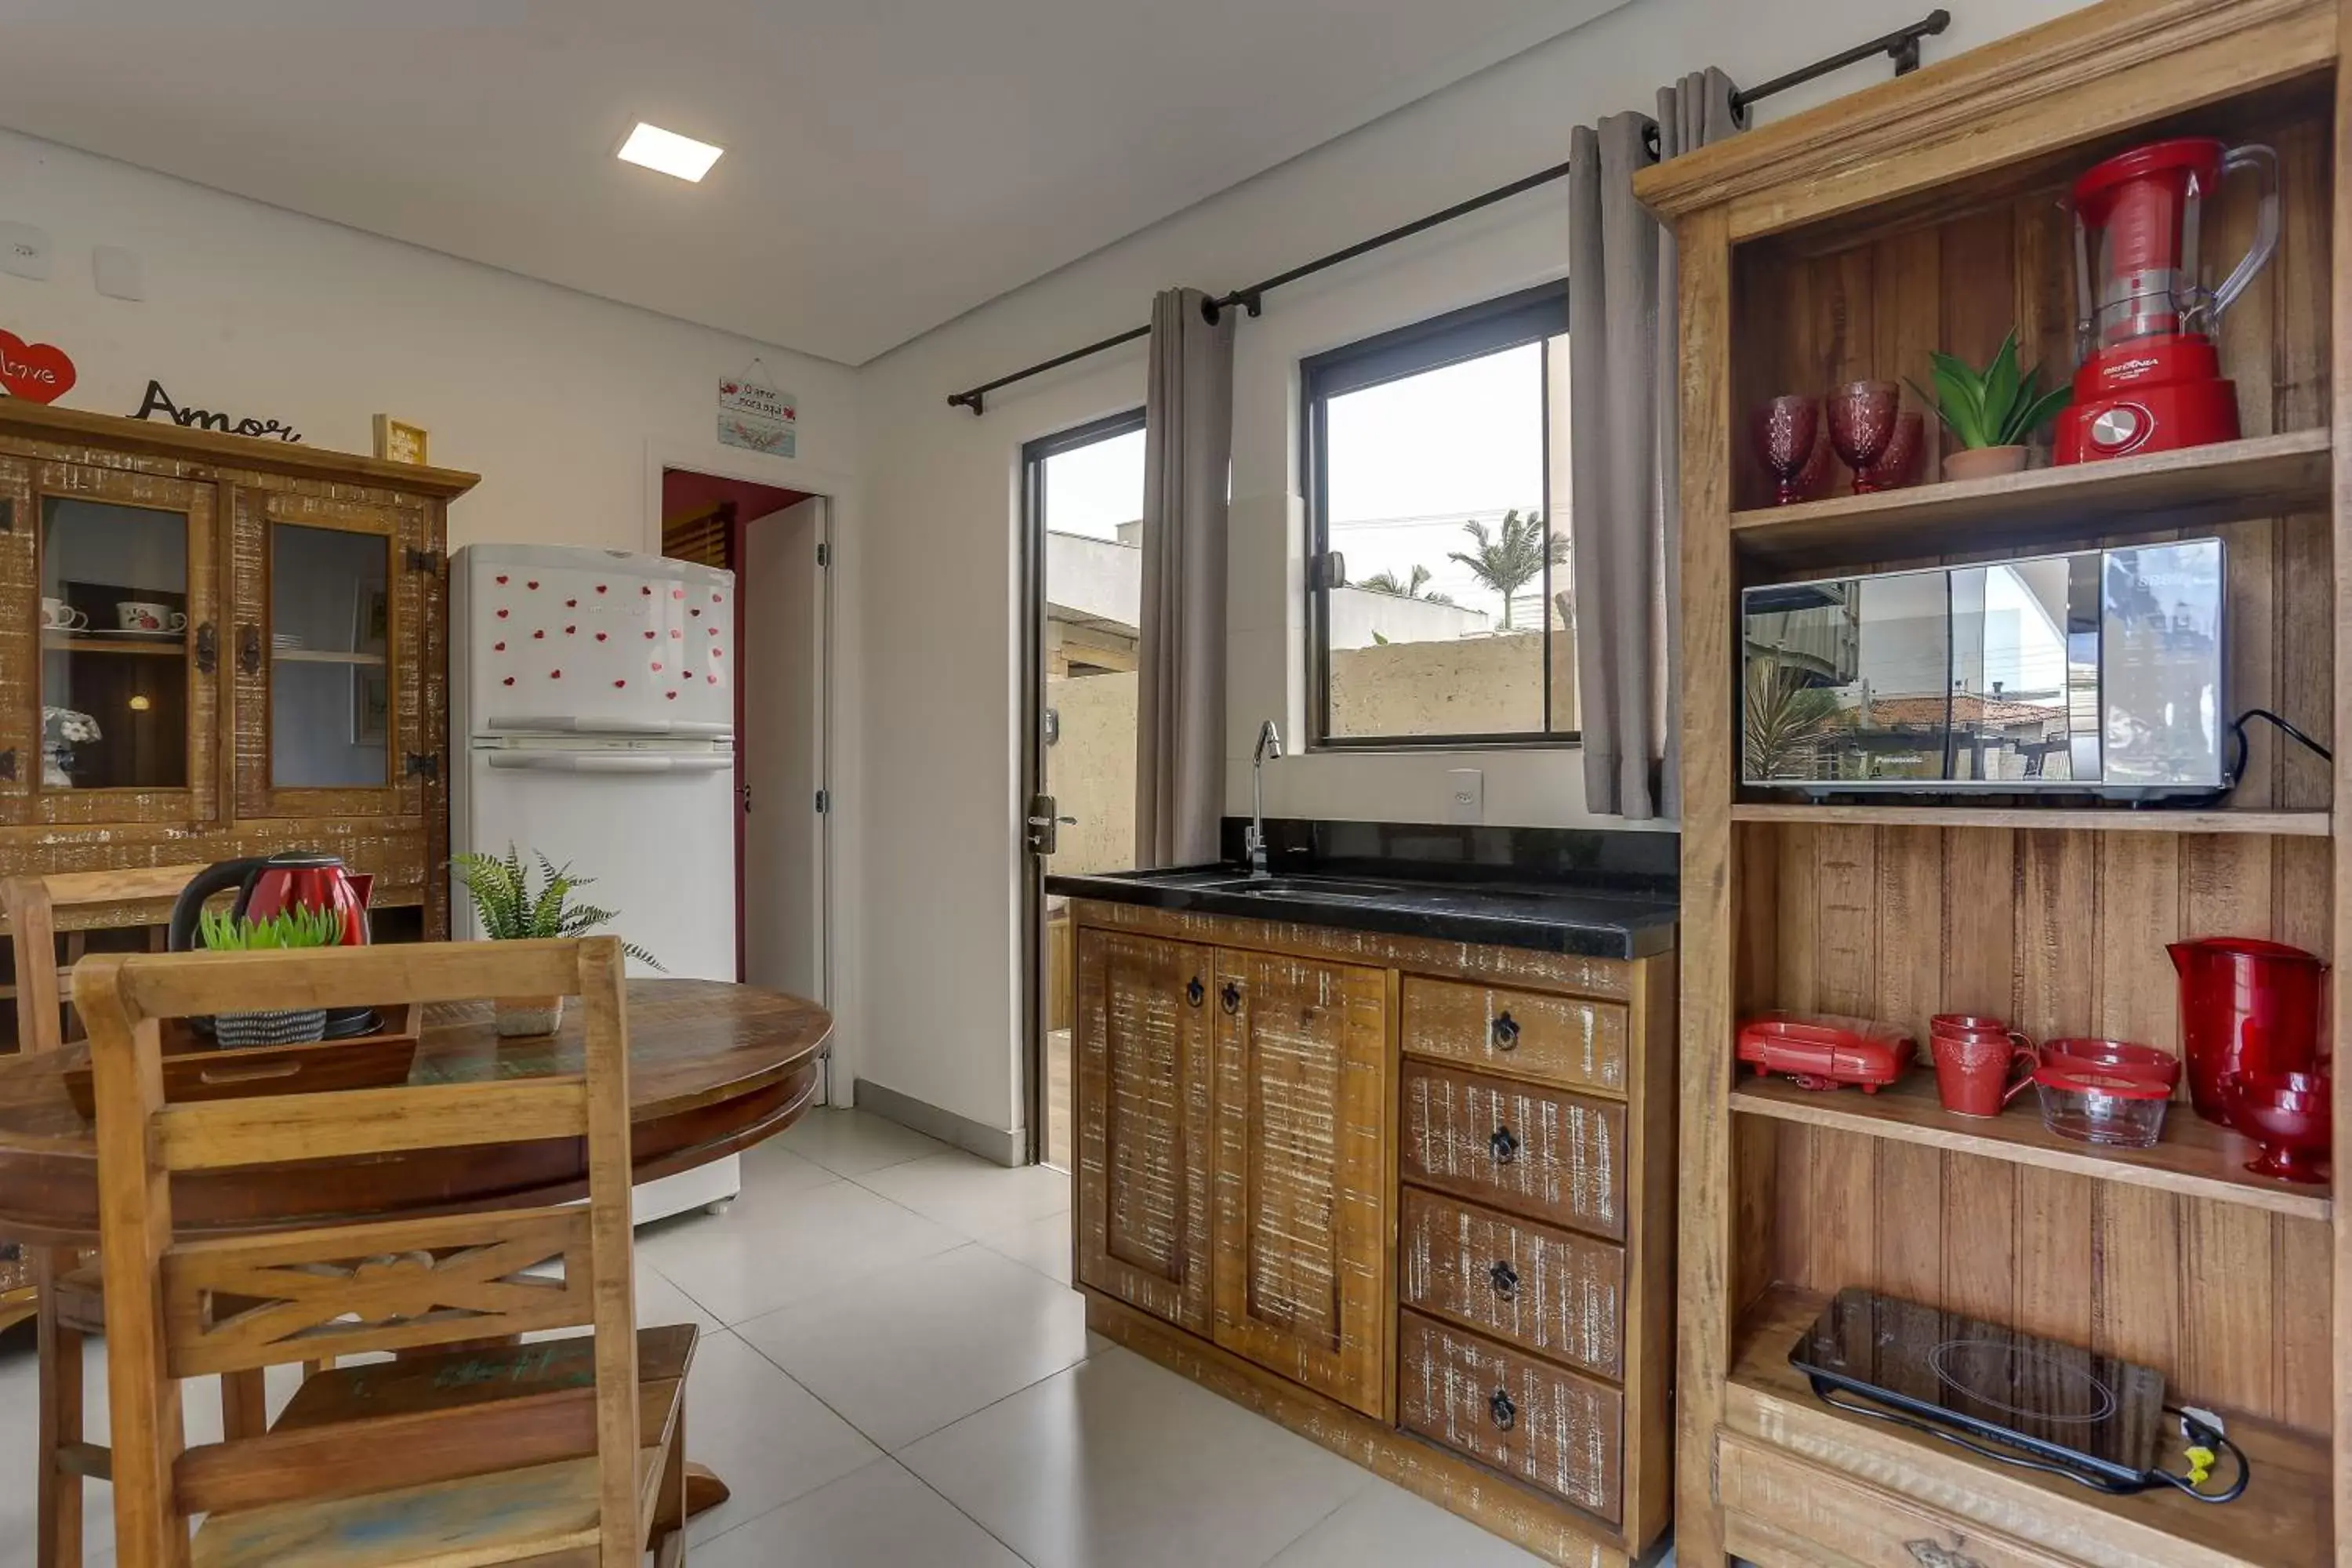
179 1309
30 904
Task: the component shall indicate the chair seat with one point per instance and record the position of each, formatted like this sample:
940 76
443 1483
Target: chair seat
508 1516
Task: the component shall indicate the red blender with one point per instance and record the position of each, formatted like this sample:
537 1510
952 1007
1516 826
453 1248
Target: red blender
2150 379
2247 1007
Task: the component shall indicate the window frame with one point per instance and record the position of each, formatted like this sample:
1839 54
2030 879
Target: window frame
1533 315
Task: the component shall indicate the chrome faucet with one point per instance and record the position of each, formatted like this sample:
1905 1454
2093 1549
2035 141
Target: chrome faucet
1269 746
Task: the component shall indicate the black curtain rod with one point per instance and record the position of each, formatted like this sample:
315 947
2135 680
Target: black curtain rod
1901 47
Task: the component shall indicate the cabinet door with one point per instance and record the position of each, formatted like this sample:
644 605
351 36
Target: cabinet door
335 629
1302 1221
114 576
1143 1122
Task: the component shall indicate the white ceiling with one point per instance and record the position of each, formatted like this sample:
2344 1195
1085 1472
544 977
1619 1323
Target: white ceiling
890 163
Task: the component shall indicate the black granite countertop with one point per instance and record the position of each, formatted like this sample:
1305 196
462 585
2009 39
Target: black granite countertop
1624 918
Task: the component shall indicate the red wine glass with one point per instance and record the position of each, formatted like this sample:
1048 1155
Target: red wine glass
1862 425
1785 429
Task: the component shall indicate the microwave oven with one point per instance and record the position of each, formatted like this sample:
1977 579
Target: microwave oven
2097 673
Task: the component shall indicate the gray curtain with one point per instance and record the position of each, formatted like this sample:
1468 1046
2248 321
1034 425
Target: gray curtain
1624 435
1188 441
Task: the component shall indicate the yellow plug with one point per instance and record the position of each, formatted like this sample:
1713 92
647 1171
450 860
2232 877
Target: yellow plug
2200 1464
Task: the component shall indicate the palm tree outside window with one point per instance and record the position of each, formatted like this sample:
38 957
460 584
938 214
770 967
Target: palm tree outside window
1441 605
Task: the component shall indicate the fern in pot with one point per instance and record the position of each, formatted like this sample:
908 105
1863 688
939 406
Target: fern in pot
221 931
511 910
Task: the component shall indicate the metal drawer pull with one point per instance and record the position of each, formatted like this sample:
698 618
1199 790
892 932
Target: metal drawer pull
1506 1414
1506 1032
1231 997
1193 992
1505 1278
1504 1144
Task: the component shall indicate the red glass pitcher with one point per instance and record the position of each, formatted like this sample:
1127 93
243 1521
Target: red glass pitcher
2246 1007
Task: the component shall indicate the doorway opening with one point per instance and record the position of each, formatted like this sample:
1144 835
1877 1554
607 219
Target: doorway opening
777 542
1082 572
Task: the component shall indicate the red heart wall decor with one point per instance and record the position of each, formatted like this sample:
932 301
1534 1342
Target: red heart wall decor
37 372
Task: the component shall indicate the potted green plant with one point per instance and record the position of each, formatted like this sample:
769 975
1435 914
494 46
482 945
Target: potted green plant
221 931
1992 412
510 909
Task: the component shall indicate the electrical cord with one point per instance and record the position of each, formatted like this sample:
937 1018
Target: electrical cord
2198 1432
2238 727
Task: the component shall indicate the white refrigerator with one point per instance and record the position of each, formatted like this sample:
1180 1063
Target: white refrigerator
594 694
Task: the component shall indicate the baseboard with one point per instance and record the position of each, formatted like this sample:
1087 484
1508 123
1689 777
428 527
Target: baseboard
1005 1148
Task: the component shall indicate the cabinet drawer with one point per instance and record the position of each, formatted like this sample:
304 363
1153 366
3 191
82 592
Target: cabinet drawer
1543 1424
1565 1038
1545 1153
1537 1289
1845 1521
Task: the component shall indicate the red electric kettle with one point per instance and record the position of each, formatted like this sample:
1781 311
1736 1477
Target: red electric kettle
290 879
2246 1005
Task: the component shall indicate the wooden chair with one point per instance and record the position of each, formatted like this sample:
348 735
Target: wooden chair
564 1454
68 1302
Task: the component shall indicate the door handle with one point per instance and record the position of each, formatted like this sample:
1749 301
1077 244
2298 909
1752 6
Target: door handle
1503 1145
1195 992
207 649
1506 1032
1504 1278
248 649
1506 1414
1231 998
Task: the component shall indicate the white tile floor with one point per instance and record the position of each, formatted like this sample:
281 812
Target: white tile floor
893 1374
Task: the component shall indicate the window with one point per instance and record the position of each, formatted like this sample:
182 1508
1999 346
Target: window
1431 453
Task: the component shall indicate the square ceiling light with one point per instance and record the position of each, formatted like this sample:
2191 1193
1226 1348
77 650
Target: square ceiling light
669 153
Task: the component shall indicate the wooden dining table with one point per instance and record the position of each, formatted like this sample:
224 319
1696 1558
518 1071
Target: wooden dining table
713 1069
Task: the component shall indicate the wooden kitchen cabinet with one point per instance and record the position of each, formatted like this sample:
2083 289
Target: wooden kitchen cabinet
213 646
1144 1132
1294 1188
1303 1249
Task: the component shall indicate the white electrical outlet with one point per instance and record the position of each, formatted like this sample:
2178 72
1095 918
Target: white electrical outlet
25 251
1466 796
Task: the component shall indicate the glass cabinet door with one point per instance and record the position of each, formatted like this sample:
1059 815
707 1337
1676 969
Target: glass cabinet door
127 706
331 724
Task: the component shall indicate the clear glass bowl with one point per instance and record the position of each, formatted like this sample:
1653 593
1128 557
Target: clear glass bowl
2094 1105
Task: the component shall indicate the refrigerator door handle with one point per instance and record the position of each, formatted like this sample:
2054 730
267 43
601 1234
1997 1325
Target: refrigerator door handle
608 763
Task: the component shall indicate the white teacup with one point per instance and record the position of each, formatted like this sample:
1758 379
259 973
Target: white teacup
138 616
58 615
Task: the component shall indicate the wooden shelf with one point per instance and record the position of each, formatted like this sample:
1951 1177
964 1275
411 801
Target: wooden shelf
68 642
2196 1158
2267 475
2071 819
2282 1521
325 655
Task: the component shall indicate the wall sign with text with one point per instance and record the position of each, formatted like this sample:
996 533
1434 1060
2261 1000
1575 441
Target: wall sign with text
158 405
37 372
754 413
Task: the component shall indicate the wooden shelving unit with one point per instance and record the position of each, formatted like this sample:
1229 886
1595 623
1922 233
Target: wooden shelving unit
2066 819
2194 1159
2267 475
1845 243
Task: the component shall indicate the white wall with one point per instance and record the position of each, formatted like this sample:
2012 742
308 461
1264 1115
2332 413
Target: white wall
941 865
550 396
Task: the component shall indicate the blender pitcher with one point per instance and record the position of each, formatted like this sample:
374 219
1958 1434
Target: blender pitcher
2246 1005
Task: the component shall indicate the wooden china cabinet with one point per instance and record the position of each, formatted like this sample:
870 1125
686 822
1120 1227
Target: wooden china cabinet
214 646
1843 244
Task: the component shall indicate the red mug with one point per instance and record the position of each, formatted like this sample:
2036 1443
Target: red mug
1972 1024
1974 1072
